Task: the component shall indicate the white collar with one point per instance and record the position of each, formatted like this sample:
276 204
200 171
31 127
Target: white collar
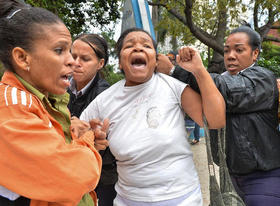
73 89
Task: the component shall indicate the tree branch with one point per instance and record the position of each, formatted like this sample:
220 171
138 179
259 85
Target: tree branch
155 4
265 28
203 36
271 38
255 15
275 27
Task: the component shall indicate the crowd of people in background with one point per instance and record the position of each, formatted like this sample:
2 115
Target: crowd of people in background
69 138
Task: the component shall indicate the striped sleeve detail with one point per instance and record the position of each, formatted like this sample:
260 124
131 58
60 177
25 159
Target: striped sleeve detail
14 96
5 95
23 97
30 102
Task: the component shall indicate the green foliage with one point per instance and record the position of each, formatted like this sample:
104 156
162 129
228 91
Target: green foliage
110 76
76 14
205 16
270 58
109 37
272 64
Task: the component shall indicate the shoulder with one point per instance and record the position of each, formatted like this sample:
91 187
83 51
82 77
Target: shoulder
258 70
102 84
19 104
169 79
10 95
112 89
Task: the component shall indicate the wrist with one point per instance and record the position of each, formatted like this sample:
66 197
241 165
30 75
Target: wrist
172 71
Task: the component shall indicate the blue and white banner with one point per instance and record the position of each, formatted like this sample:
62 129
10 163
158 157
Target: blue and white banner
136 13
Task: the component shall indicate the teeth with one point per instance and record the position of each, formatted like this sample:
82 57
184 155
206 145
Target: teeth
138 64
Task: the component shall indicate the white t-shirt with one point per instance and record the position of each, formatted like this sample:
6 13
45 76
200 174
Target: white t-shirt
148 138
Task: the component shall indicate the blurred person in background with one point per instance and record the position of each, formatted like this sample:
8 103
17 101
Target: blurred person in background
90 52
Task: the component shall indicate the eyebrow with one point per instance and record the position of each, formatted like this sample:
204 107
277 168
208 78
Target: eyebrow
142 38
63 42
237 44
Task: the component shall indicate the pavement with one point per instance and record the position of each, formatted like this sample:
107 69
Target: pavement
201 163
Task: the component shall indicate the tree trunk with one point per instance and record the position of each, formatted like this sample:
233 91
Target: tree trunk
216 64
155 19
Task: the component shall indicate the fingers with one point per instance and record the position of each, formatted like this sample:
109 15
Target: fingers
186 53
101 144
95 123
74 117
75 131
100 132
105 125
78 127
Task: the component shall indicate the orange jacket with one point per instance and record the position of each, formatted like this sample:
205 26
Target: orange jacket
35 160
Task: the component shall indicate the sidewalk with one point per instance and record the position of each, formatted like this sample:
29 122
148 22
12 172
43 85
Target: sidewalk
201 163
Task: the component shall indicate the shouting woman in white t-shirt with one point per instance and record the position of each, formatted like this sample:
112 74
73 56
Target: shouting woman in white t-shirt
147 133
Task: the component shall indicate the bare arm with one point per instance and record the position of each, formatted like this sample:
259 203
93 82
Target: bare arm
211 102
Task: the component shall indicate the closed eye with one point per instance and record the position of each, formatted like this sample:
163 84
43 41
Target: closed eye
147 46
127 46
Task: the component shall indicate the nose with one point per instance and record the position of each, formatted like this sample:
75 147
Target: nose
230 55
70 61
138 47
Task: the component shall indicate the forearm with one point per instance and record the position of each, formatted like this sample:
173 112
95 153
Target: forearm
213 104
40 165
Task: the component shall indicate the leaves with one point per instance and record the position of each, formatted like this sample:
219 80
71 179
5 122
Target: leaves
75 14
211 20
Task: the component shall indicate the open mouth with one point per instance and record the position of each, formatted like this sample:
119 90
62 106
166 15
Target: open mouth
66 78
138 62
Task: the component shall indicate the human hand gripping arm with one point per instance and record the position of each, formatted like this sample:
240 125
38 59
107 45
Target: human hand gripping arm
99 128
164 65
211 102
79 127
100 131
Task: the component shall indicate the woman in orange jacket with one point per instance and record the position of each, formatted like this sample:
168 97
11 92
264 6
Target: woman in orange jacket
41 162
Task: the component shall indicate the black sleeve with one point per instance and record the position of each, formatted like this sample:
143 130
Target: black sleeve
254 89
186 77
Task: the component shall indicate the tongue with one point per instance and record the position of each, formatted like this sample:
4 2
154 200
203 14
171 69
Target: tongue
138 66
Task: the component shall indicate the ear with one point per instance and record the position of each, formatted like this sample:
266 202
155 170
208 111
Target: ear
21 58
256 54
101 64
120 66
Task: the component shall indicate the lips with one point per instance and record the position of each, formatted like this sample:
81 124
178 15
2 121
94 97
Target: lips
65 78
232 66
